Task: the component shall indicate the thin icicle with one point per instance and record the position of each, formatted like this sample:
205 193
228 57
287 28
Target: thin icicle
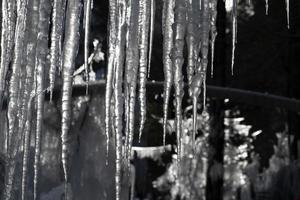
26 143
234 32
267 6
118 110
152 23
131 70
87 17
287 2
56 38
71 44
143 48
110 68
42 51
191 43
168 18
179 29
213 33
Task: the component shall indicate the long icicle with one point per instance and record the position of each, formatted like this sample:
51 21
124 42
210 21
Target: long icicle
87 17
179 29
56 37
168 21
213 33
191 43
71 44
234 32
126 81
132 61
118 112
110 69
26 143
152 23
143 48
13 106
41 53
33 19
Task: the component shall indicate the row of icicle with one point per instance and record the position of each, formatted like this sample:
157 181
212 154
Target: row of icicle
24 50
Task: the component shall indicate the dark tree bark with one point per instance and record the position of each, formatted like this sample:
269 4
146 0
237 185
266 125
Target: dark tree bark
214 187
293 73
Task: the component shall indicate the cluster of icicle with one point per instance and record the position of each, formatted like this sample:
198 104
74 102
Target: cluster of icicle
28 26
130 43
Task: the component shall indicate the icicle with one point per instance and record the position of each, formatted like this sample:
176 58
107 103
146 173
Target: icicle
118 110
168 66
56 38
143 48
70 51
13 106
287 2
213 33
33 19
42 50
179 29
26 143
234 32
110 68
152 22
87 17
7 36
190 40
267 6
200 77
131 69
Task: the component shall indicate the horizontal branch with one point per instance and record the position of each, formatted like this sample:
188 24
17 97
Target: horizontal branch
233 94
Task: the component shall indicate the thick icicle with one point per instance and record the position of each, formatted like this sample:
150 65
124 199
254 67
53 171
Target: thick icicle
131 69
41 53
118 109
7 36
213 33
87 17
71 44
179 29
287 2
110 68
199 79
152 23
13 106
234 32
168 20
33 19
144 19
56 40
